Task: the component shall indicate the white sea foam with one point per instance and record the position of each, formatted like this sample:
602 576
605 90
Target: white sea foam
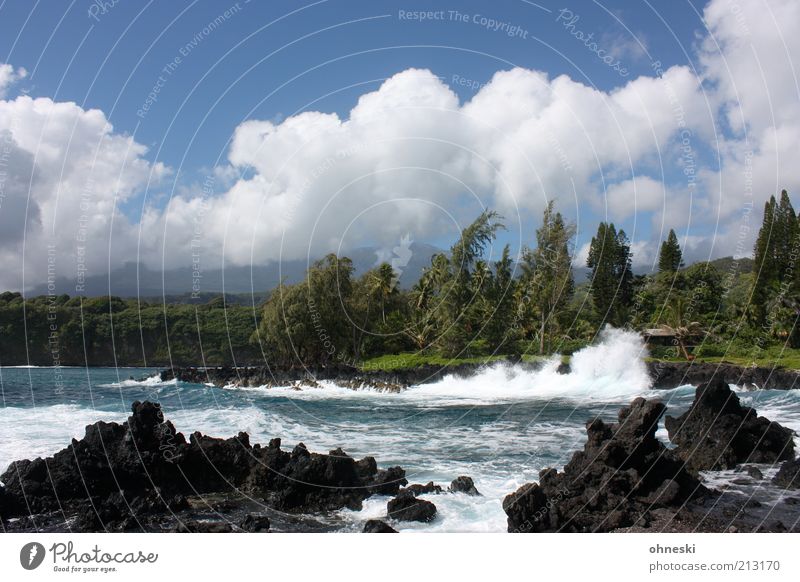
612 370
26 433
149 381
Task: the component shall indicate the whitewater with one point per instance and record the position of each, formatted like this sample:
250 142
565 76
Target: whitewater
500 426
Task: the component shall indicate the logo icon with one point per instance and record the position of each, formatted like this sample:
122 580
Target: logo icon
31 555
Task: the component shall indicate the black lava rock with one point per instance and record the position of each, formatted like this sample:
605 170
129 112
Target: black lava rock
378 526
119 476
788 476
416 489
717 432
406 507
622 473
463 484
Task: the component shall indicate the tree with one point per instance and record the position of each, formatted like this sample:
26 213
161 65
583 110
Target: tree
499 329
670 258
775 258
457 324
611 277
547 279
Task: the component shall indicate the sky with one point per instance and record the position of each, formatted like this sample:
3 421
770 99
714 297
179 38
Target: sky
209 134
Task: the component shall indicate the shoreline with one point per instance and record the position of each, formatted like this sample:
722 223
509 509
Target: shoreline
665 375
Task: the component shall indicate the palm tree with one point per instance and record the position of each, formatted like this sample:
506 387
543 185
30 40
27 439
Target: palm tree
383 285
678 326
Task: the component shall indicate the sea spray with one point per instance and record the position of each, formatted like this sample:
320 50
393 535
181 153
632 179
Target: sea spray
613 370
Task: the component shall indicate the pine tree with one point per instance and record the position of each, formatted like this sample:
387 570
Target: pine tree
670 258
765 267
611 276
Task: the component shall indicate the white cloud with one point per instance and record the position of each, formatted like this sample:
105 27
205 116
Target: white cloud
63 172
8 76
409 158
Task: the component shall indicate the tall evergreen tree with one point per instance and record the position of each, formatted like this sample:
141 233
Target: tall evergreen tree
765 267
611 277
547 274
670 258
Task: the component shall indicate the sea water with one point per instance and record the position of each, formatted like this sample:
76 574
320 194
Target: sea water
500 426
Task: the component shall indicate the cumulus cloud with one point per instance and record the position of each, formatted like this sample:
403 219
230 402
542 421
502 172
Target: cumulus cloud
63 172
8 76
684 149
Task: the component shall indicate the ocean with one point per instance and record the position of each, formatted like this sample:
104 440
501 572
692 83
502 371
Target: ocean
500 426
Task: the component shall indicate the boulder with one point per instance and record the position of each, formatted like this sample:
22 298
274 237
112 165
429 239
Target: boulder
717 432
428 489
622 473
463 484
378 526
406 507
788 476
255 523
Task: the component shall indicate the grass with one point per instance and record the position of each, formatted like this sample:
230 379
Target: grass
772 356
405 361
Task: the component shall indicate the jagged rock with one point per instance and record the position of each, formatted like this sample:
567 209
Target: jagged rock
118 473
406 507
463 484
622 473
387 481
255 523
193 526
788 476
416 489
378 526
717 432
754 472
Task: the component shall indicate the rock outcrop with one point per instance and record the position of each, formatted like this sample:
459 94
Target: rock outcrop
668 375
406 507
463 484
788 476
622 474
378 526
430 488
119 474
717 432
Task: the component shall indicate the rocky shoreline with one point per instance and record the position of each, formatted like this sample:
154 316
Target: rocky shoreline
143 475
665 375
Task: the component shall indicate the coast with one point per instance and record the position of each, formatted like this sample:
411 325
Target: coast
664 375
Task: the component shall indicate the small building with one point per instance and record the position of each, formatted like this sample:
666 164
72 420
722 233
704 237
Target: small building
659 336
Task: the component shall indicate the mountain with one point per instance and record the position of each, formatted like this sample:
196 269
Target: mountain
137 280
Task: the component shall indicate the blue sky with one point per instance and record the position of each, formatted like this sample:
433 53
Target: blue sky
180 80
111 61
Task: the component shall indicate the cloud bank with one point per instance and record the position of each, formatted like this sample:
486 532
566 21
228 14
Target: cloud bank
695 149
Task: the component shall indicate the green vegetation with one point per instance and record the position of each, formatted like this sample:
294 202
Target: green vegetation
464 308
59 330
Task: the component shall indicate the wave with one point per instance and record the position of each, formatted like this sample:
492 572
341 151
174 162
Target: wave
149 381
26 433
611 370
